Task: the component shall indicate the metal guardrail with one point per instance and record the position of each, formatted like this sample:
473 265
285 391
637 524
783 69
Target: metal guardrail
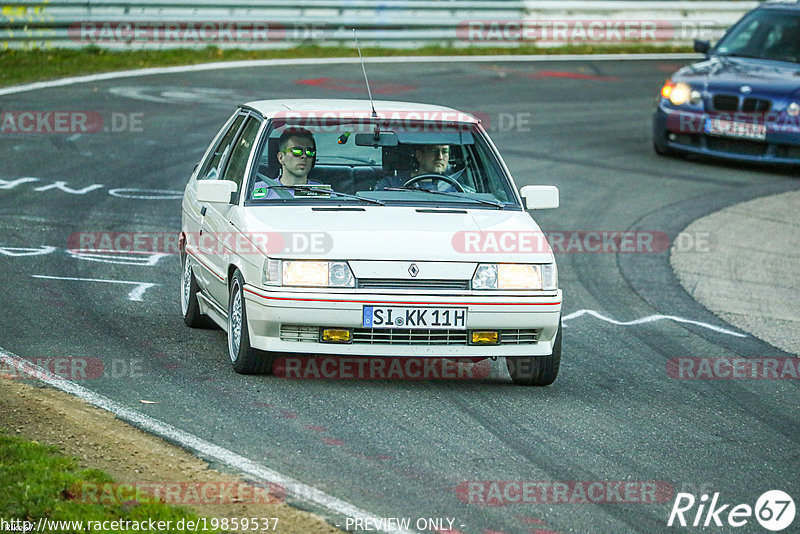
252 24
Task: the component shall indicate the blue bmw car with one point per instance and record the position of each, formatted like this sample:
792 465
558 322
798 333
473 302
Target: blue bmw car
743 101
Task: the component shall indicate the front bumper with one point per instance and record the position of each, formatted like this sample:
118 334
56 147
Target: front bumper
683 131
283 321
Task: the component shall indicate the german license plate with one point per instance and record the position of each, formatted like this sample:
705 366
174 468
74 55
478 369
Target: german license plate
742 130
414 318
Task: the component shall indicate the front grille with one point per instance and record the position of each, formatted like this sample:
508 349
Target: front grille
756 105
748 105
725 102
386 283
737 146
406 336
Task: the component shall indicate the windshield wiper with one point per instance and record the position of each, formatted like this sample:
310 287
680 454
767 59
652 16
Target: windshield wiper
495 203
321 191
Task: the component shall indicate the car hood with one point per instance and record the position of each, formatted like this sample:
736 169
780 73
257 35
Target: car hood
728 74
395 233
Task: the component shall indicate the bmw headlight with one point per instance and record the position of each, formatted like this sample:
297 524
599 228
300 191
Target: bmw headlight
516 276
308 273
680 93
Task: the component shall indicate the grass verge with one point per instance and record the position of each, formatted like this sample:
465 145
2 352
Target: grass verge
38 482
25 66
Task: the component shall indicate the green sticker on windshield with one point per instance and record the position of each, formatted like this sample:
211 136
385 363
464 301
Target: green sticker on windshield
260 192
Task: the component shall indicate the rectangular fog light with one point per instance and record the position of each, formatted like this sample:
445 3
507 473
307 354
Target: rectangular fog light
485 338
335 335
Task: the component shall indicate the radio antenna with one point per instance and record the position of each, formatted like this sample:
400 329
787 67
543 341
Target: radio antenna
364 70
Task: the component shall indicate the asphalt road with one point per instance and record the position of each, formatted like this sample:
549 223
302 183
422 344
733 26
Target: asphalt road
401 448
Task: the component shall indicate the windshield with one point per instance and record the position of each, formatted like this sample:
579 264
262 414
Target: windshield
764 34
353 161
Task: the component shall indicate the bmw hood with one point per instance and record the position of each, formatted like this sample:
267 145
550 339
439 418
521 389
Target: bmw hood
729 74
394 233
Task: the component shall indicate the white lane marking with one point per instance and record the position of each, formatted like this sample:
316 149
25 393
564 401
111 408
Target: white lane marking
650 319
7 184
194 443
336 61
27 251
181 95
146 194
135 294
62 186
117 257
120 192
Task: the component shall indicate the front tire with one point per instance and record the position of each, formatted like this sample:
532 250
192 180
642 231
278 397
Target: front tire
536 370
245 359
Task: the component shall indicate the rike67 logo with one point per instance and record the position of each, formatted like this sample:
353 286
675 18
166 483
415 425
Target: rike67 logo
774 510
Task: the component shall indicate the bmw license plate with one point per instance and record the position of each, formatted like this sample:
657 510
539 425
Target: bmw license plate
742 130
414 318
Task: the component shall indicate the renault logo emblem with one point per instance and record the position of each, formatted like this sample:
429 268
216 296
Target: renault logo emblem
413 270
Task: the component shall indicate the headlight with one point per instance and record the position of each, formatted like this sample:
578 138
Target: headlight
485 277
680 94
793 109
549 276
308 273
272 272
515 276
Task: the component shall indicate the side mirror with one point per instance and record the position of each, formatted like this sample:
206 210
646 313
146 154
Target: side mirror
215 191
701 46
540 197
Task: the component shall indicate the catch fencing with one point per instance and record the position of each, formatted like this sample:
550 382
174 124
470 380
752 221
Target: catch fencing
254 24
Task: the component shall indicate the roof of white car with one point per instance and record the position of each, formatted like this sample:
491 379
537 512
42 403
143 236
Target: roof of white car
345 107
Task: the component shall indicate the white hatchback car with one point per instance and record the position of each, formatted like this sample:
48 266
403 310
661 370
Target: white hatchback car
405 236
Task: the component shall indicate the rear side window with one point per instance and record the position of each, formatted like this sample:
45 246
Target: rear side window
211 170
